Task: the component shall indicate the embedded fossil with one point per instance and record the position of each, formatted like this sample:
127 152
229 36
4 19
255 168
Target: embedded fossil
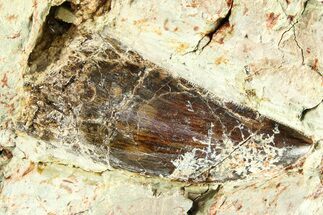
138 117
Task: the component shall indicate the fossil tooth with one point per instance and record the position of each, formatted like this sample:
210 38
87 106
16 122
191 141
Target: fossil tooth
138 117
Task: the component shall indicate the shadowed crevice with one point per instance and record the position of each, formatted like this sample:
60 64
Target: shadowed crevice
52 35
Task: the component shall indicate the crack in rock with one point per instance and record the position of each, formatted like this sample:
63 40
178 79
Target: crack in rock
292 27
307 110
201 199
207 38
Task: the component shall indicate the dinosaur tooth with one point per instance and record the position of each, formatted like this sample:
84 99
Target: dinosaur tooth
138 117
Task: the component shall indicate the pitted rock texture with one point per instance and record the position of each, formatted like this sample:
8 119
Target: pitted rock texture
137 117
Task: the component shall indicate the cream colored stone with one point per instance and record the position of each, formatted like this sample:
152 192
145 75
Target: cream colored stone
65 15
52 152
31 188
269 59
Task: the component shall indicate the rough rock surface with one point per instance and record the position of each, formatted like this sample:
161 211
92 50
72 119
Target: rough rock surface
265 55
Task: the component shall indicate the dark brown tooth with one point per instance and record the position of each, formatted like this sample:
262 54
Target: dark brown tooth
146 121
